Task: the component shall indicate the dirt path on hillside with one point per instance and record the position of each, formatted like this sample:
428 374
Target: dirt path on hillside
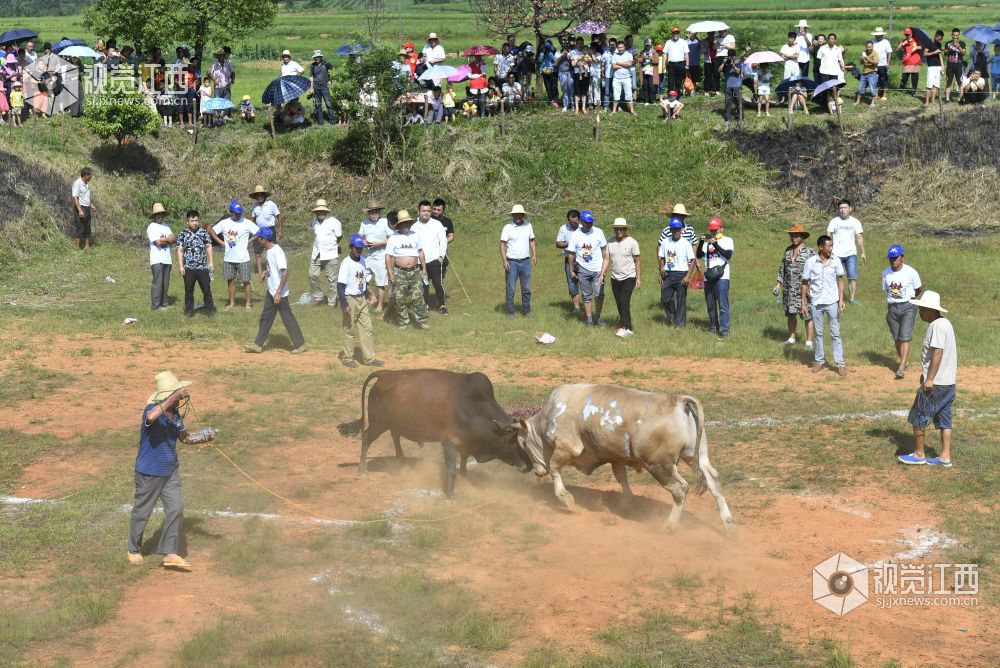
564 575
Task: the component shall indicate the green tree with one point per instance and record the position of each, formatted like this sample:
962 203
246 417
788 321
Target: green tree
120 114
196 22
637 13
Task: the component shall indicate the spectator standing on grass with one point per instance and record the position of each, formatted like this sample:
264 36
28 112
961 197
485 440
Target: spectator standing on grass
375 232
717 249
677 60
157 471
265 213
732 74
954 52
626 274
564 66
911 55
680 212
791 53
607 72
562 241
933 56
195 262
319 73
438 207
712 63
789 283
222 75
994 72
433 51
434 244
588 257
83 204
502 63
823 296
883 48
233 234
804 42
290 68
160 239
622 79
694 61
817 45
762 86
355 303
831 60
325 256
276 298
901 283
936 394
848 235
406 265
518 254
677 265
869 74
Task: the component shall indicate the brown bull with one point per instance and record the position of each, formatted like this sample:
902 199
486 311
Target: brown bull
587 426
457 410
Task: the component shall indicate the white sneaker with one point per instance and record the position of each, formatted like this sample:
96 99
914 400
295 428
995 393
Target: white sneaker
789 342
809 345
621 333
629 332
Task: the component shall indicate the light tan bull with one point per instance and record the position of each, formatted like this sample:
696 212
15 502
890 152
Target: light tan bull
587 426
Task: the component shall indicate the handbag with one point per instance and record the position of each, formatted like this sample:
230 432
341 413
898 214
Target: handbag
715 273
697 281
688 85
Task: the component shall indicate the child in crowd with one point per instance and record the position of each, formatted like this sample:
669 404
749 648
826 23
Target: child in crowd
469 108
204 94
671 106
16 103
762 82
165 104
247 111
493 98
435 113
449 104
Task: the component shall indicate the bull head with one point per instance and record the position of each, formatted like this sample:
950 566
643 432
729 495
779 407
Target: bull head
512 431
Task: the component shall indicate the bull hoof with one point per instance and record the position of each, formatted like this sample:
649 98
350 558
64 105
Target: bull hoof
672 527
568 502
729 528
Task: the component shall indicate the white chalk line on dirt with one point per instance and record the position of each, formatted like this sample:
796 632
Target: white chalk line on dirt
771 421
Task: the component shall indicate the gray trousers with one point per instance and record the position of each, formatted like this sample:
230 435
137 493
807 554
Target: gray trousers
149 488
161 284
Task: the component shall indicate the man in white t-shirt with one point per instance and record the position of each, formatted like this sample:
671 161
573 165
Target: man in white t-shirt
823 293
717 249
790 52
502 62
355 303
434 243
325 255
82 207
562 241
936 394
234 234
677 264
901 283
884 50
847 235
621 78
160 239
831 60
433 51
518 254
290 68
678 62
276 299
589 259
374 229
804 41
265 213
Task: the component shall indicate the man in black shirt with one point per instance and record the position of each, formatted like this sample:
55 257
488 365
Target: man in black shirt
319 72
933 56
954 52
437 211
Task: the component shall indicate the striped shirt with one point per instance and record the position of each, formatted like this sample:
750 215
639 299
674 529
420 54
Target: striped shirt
688 234
158 444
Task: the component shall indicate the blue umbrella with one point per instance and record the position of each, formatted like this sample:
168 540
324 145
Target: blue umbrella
827 85
352 49
984 34
66 42
217 104
782 88
285 89
17 35
922 36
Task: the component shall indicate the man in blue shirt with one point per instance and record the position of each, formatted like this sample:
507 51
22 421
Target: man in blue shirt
157 471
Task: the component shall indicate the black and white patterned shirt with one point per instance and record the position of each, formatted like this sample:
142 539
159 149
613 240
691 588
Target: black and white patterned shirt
193 244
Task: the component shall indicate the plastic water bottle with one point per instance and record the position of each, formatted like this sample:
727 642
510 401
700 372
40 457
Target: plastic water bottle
209 433
777 296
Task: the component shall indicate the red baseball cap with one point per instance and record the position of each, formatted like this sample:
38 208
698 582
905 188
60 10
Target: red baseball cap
907 31
714 224
672 93
408 45
659 47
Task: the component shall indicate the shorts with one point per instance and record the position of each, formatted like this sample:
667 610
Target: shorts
81 224
230 270
868 83
589 287
621 88
935 405
850 266
764 90
934 77
900 318
883 76
571 284
804 318
375 271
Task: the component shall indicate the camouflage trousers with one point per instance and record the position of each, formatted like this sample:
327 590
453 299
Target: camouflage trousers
408 295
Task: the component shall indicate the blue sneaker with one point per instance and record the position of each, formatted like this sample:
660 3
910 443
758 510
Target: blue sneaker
912 459
936 461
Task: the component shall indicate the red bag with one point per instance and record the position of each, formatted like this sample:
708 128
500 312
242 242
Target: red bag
688 85
697 281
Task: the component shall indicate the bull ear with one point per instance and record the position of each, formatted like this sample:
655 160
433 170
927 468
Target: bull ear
501 427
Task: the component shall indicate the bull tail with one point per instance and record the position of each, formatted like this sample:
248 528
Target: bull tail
355 427
694 409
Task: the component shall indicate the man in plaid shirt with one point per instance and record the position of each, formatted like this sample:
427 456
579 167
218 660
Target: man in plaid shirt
194 257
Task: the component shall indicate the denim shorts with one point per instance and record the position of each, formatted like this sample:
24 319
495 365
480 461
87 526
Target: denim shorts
935 405
850 267
869 82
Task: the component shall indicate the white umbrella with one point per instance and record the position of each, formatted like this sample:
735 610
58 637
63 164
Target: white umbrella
762 57
79 52
707 26
438 72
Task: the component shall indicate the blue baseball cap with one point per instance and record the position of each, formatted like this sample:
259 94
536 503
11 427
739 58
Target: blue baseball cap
266 233
235 207
357 241
676 223
587 217
895 251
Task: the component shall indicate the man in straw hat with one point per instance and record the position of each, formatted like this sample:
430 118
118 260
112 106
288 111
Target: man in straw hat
319 75
233 233
160 239
518 254
433 51
325 256
626 274
265 213
290 68
789 283
355 302
936 394
407 269
375 232
687 233
804 40
157 471
276 299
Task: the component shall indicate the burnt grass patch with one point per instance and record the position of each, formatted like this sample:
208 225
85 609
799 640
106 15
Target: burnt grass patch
824 164
21 182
